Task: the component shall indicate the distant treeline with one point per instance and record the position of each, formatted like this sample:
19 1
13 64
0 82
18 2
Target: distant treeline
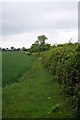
15 49
38 46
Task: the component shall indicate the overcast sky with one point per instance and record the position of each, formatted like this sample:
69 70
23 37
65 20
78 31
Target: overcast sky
23 22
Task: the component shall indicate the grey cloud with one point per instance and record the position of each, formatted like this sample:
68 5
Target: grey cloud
26 17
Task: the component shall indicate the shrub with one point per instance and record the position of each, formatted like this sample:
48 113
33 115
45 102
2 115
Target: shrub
64 62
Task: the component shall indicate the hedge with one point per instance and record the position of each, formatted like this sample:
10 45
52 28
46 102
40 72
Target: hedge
63 61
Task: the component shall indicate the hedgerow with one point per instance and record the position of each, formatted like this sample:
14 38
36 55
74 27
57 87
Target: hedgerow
63 61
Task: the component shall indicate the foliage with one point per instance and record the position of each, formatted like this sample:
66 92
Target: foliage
12 48
34 47
40 45
42 39
24 49
35 95
63 61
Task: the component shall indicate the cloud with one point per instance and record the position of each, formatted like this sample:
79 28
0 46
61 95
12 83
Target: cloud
24 21
21 17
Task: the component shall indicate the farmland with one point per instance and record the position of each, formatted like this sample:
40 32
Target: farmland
14 65
0 84
29 90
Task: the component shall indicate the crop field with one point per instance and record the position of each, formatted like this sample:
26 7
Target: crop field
14 65
29 91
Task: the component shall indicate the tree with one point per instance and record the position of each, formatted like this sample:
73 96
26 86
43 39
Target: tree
7 49
17 49
35 47
40 45
23 49
12 48
3 49
42 39
47 46
37 42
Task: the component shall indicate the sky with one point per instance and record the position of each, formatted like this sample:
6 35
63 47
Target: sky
22 22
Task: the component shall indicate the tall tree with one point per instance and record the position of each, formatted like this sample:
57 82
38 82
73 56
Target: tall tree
40 45
42 39
12 48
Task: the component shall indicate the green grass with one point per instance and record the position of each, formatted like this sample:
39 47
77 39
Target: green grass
0 84
35 95
14 65
0 68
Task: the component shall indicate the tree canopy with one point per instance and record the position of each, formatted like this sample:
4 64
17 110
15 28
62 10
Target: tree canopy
40 44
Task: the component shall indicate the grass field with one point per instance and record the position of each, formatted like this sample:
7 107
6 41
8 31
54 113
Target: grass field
36 94
14 65
0 84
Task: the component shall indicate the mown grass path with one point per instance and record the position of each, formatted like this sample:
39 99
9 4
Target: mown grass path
34 96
